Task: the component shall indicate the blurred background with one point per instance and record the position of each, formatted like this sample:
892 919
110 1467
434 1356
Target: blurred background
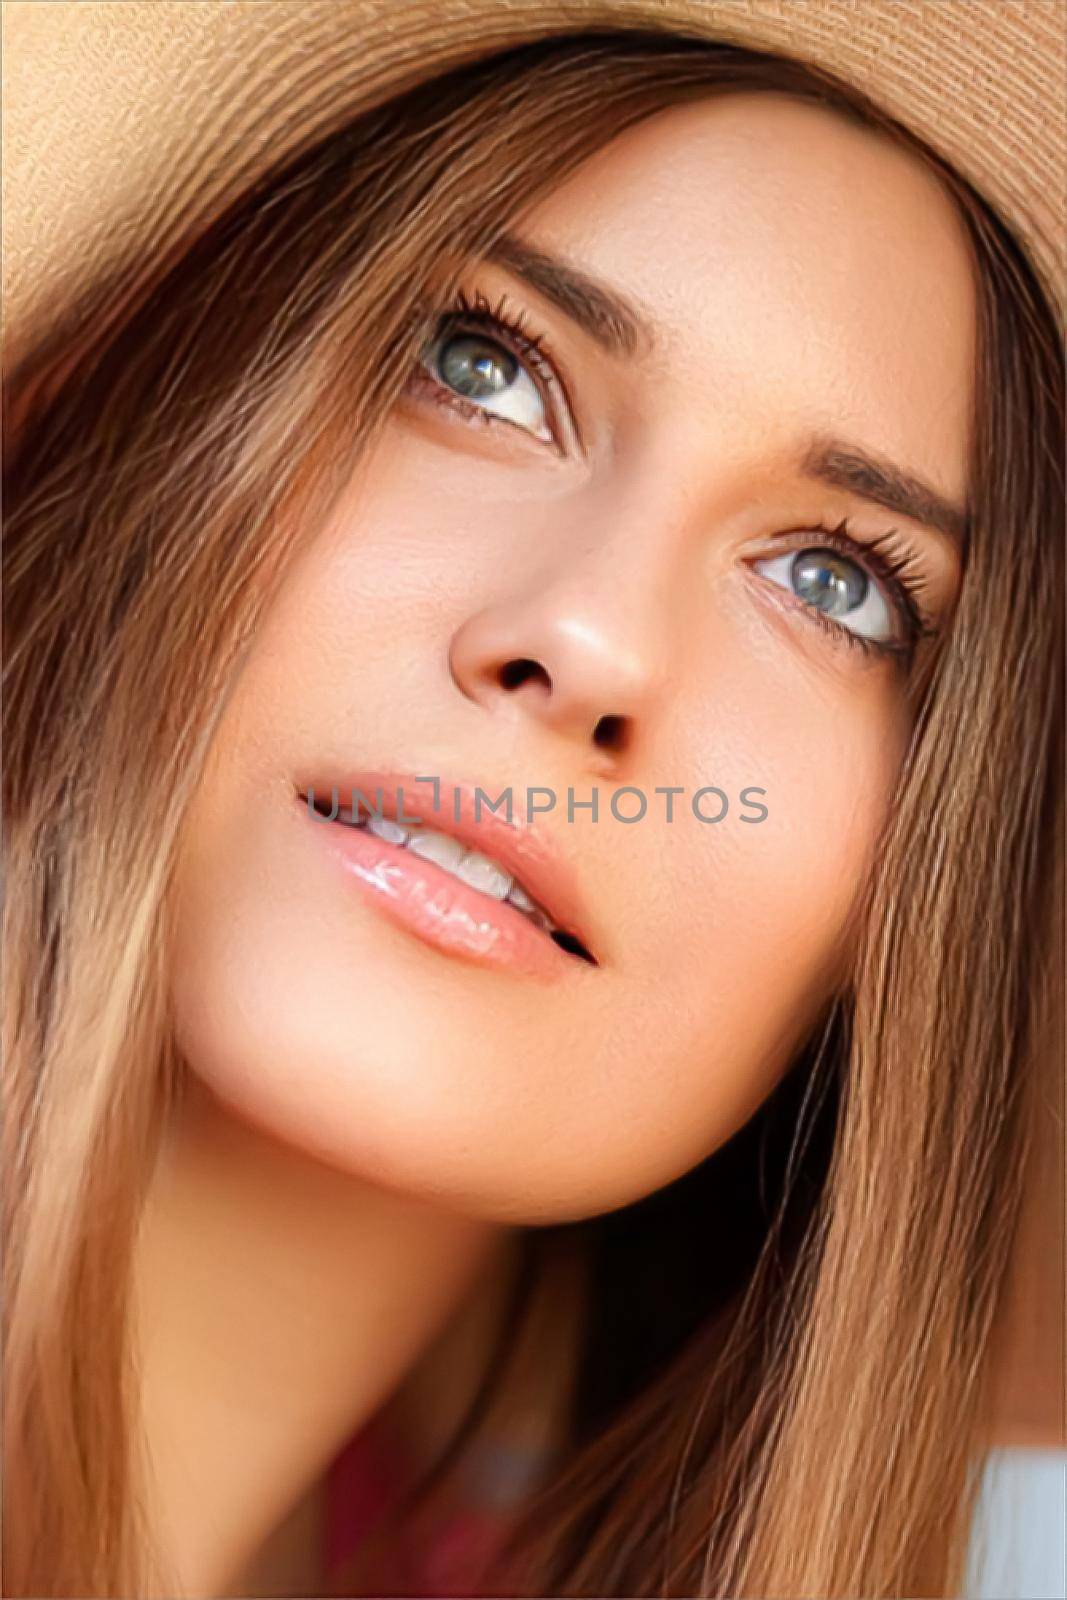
1019 1550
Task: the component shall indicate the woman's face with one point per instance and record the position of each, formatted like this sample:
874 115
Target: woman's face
581 567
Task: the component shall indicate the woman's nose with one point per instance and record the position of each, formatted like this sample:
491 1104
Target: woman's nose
587 670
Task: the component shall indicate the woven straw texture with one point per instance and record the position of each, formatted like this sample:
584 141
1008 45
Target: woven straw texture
125 120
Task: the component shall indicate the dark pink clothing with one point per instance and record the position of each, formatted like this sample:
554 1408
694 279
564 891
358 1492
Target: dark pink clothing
363 1482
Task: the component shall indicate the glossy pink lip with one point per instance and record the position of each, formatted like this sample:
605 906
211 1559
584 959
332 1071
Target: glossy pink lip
433 904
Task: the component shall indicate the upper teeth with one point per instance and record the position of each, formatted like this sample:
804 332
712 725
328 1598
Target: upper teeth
469 866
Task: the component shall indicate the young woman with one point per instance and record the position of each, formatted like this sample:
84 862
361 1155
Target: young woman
653 431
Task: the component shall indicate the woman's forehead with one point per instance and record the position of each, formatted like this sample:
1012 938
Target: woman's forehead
777 250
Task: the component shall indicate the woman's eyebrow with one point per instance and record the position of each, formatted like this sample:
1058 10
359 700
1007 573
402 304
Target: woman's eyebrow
846 466
613 321
621 329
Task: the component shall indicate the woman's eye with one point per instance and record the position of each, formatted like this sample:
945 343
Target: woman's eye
485 374
837 586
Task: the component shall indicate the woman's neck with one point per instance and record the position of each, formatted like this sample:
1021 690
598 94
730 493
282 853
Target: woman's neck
278 1304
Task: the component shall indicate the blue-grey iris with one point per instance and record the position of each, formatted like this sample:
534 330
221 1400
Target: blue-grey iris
476 367
829 581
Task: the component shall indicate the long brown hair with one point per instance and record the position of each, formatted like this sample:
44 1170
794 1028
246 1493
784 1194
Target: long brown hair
803 1414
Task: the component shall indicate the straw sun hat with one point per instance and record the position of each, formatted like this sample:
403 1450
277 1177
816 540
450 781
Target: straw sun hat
128 121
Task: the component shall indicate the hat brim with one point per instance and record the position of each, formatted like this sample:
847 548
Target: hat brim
126 120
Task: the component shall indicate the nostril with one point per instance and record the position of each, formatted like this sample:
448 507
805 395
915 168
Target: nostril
611 733
515 673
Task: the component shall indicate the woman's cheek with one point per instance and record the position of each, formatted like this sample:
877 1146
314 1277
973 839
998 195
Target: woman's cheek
812 749
831 765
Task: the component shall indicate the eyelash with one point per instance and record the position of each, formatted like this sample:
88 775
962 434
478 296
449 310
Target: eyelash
895 564
888 557
511 326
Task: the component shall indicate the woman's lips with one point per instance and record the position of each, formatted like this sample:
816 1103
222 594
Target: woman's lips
436 906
